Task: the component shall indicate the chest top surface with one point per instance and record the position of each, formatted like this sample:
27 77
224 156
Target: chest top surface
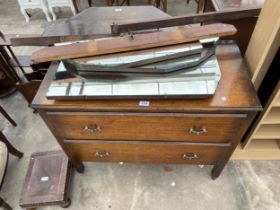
234 92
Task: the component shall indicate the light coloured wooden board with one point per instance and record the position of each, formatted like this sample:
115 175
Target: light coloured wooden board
277 102
273 117
264 42
259 149
268 132
274 97
278 142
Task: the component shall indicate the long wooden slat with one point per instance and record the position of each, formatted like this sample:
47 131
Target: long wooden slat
128 43
5 39
50 40
117 29
185 20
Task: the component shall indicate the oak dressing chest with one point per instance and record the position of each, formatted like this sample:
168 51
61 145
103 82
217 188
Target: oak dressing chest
189 131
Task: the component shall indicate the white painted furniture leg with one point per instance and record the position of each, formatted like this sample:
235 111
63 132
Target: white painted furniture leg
52 12
45 10
27 19
73 9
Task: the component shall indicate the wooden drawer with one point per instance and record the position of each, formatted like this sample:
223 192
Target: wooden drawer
146 152
139 126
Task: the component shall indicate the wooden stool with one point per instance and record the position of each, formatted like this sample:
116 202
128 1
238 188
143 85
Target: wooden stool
47 181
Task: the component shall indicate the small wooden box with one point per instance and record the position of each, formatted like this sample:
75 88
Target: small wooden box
47 180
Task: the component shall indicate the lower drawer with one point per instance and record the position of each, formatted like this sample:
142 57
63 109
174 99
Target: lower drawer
146 152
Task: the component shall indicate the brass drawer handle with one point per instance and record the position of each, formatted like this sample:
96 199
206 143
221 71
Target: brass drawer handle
92 128
190 156
198 131
102 154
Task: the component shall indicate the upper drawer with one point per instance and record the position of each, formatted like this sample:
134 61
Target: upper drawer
146 126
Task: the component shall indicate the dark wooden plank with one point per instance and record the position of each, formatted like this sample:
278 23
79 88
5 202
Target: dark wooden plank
5 40
50 40
184 20
128 43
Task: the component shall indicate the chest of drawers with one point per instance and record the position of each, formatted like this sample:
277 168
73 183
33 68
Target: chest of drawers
189 131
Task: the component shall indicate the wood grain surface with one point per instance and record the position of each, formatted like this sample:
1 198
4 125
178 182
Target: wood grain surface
122 131
128 43
146 152
265 42
133 126
214 17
